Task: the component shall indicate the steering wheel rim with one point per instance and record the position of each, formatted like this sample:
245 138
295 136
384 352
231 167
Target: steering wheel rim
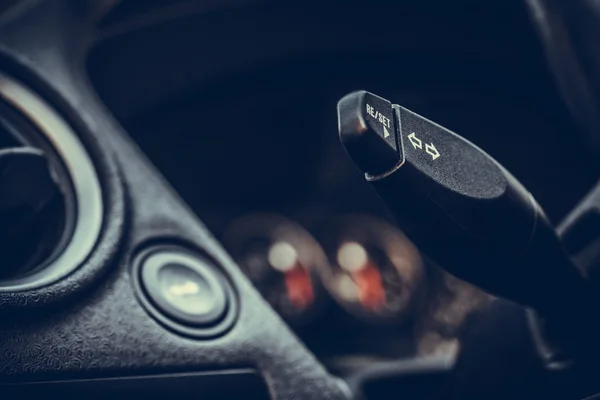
108 331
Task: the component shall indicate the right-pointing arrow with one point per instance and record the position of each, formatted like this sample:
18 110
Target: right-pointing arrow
432 151
415 141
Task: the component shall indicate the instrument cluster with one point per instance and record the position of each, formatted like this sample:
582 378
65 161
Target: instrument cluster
360 264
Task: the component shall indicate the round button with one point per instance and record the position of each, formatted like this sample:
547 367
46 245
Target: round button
184 287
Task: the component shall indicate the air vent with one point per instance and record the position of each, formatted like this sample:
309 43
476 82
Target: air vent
50 197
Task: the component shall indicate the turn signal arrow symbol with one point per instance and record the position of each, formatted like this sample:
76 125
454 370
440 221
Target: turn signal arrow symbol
418 144
415 141
432 151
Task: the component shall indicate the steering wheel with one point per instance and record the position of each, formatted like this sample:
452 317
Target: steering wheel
112 327
92 305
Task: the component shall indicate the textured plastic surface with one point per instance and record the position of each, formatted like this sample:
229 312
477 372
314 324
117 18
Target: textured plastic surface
104 331
475 220
464 186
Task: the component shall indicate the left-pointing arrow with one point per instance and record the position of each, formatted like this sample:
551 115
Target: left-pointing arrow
415 141
385 132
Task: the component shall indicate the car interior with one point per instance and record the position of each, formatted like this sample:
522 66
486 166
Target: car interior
257 199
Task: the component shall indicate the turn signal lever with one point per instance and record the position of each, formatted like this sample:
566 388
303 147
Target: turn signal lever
462 208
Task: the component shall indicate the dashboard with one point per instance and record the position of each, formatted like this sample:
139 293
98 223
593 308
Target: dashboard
180 218
252 148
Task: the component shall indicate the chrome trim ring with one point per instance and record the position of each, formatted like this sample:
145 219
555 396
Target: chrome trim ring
84 179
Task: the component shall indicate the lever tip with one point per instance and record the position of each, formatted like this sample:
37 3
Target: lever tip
367 129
